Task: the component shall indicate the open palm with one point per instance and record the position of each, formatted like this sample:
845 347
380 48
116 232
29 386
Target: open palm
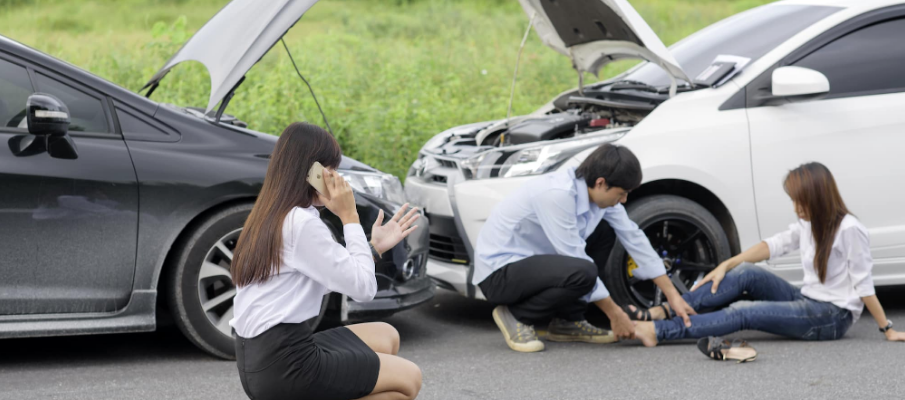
386 236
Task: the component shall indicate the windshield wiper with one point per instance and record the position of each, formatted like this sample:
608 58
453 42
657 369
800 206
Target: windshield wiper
628 84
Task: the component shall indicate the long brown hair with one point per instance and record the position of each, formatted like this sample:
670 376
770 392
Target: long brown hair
257 253
813 189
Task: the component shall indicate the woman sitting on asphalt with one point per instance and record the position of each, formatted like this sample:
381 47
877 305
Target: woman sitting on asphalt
835 255
286 260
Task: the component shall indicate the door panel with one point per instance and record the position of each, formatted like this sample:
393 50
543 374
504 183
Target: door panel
69 227
858 132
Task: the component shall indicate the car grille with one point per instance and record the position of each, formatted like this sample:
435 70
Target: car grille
445 242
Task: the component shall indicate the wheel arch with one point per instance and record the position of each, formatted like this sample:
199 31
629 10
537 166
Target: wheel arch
187 229
698 194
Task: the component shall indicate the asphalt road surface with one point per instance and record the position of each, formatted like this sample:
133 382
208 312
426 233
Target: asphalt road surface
463 356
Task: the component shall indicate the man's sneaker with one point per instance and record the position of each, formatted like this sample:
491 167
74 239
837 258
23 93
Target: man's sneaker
561 330
519 336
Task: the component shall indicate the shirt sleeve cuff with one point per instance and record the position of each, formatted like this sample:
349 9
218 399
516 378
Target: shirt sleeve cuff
354 232
598 293
651 269
865 290
774 243
354 229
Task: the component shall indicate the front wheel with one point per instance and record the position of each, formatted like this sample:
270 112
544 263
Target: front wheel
687 237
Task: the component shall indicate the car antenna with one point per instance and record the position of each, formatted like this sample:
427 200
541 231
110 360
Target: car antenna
309 86
515 74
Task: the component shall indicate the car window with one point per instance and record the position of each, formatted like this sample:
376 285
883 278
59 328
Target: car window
134 128
86 112
15 87
870 60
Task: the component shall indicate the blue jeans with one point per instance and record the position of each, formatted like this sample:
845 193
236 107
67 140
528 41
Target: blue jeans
777 307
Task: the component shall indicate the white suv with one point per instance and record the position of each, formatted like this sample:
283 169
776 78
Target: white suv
769 89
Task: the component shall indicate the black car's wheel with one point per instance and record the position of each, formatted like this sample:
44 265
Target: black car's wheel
684 234
200 287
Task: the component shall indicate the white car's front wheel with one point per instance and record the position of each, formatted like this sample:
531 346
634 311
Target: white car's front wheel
684 234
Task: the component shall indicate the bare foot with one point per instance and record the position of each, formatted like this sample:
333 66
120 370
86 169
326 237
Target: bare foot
645 332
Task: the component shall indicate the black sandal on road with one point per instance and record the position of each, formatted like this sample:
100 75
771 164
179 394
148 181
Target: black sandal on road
643 314
722 350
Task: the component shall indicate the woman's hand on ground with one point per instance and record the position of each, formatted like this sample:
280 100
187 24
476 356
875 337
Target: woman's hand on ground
339 198
894 336
716 276
386 236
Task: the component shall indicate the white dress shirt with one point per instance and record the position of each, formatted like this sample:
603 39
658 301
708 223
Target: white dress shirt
313 264
553 214
848 270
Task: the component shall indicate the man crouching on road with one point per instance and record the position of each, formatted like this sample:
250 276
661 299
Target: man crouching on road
541 251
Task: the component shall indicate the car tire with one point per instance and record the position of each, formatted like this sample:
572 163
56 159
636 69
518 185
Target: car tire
189 294
706 249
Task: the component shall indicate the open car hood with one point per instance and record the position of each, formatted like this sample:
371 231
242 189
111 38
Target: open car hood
234 40
594 33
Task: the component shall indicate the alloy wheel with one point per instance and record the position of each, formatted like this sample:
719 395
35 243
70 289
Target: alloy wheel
216 290
687 253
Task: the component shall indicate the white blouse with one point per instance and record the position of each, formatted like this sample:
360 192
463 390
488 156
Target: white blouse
848 270
313 264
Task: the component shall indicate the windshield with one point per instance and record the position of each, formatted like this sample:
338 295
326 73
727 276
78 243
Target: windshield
750 34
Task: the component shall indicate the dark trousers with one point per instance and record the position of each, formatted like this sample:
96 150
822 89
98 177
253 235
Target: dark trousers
545 286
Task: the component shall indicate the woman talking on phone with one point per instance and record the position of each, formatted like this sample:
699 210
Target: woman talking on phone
286 260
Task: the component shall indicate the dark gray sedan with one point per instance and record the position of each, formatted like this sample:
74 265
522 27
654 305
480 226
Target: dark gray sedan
133 207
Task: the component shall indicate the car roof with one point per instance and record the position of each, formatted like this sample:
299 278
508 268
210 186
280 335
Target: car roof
76 73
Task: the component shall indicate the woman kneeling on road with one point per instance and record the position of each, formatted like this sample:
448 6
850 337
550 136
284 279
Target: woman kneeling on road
286 260
835 255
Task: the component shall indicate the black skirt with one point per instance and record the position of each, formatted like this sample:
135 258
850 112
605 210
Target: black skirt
289 362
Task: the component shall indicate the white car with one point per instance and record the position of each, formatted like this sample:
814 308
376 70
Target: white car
717 120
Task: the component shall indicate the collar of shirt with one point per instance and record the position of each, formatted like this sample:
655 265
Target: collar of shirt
311 210
583 205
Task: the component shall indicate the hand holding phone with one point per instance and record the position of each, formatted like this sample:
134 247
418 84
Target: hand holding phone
316 178
334 192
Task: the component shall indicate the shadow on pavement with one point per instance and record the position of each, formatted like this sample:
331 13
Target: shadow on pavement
165 345
451 308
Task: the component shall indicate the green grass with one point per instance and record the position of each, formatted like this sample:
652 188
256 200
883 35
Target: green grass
389 73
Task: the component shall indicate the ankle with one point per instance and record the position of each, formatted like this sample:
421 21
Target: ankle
660 312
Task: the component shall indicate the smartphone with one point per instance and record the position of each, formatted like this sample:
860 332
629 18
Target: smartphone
316 178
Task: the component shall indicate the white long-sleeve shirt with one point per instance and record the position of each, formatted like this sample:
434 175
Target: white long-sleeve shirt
313 264
848 270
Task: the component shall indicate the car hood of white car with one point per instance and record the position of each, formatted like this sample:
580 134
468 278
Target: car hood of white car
593 33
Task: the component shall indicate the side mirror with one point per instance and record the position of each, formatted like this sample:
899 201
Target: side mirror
800 83
46 115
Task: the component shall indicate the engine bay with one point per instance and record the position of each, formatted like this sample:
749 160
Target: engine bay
573 114
569 124
577 113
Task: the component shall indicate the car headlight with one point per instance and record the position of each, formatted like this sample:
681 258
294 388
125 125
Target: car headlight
377 184
532 158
